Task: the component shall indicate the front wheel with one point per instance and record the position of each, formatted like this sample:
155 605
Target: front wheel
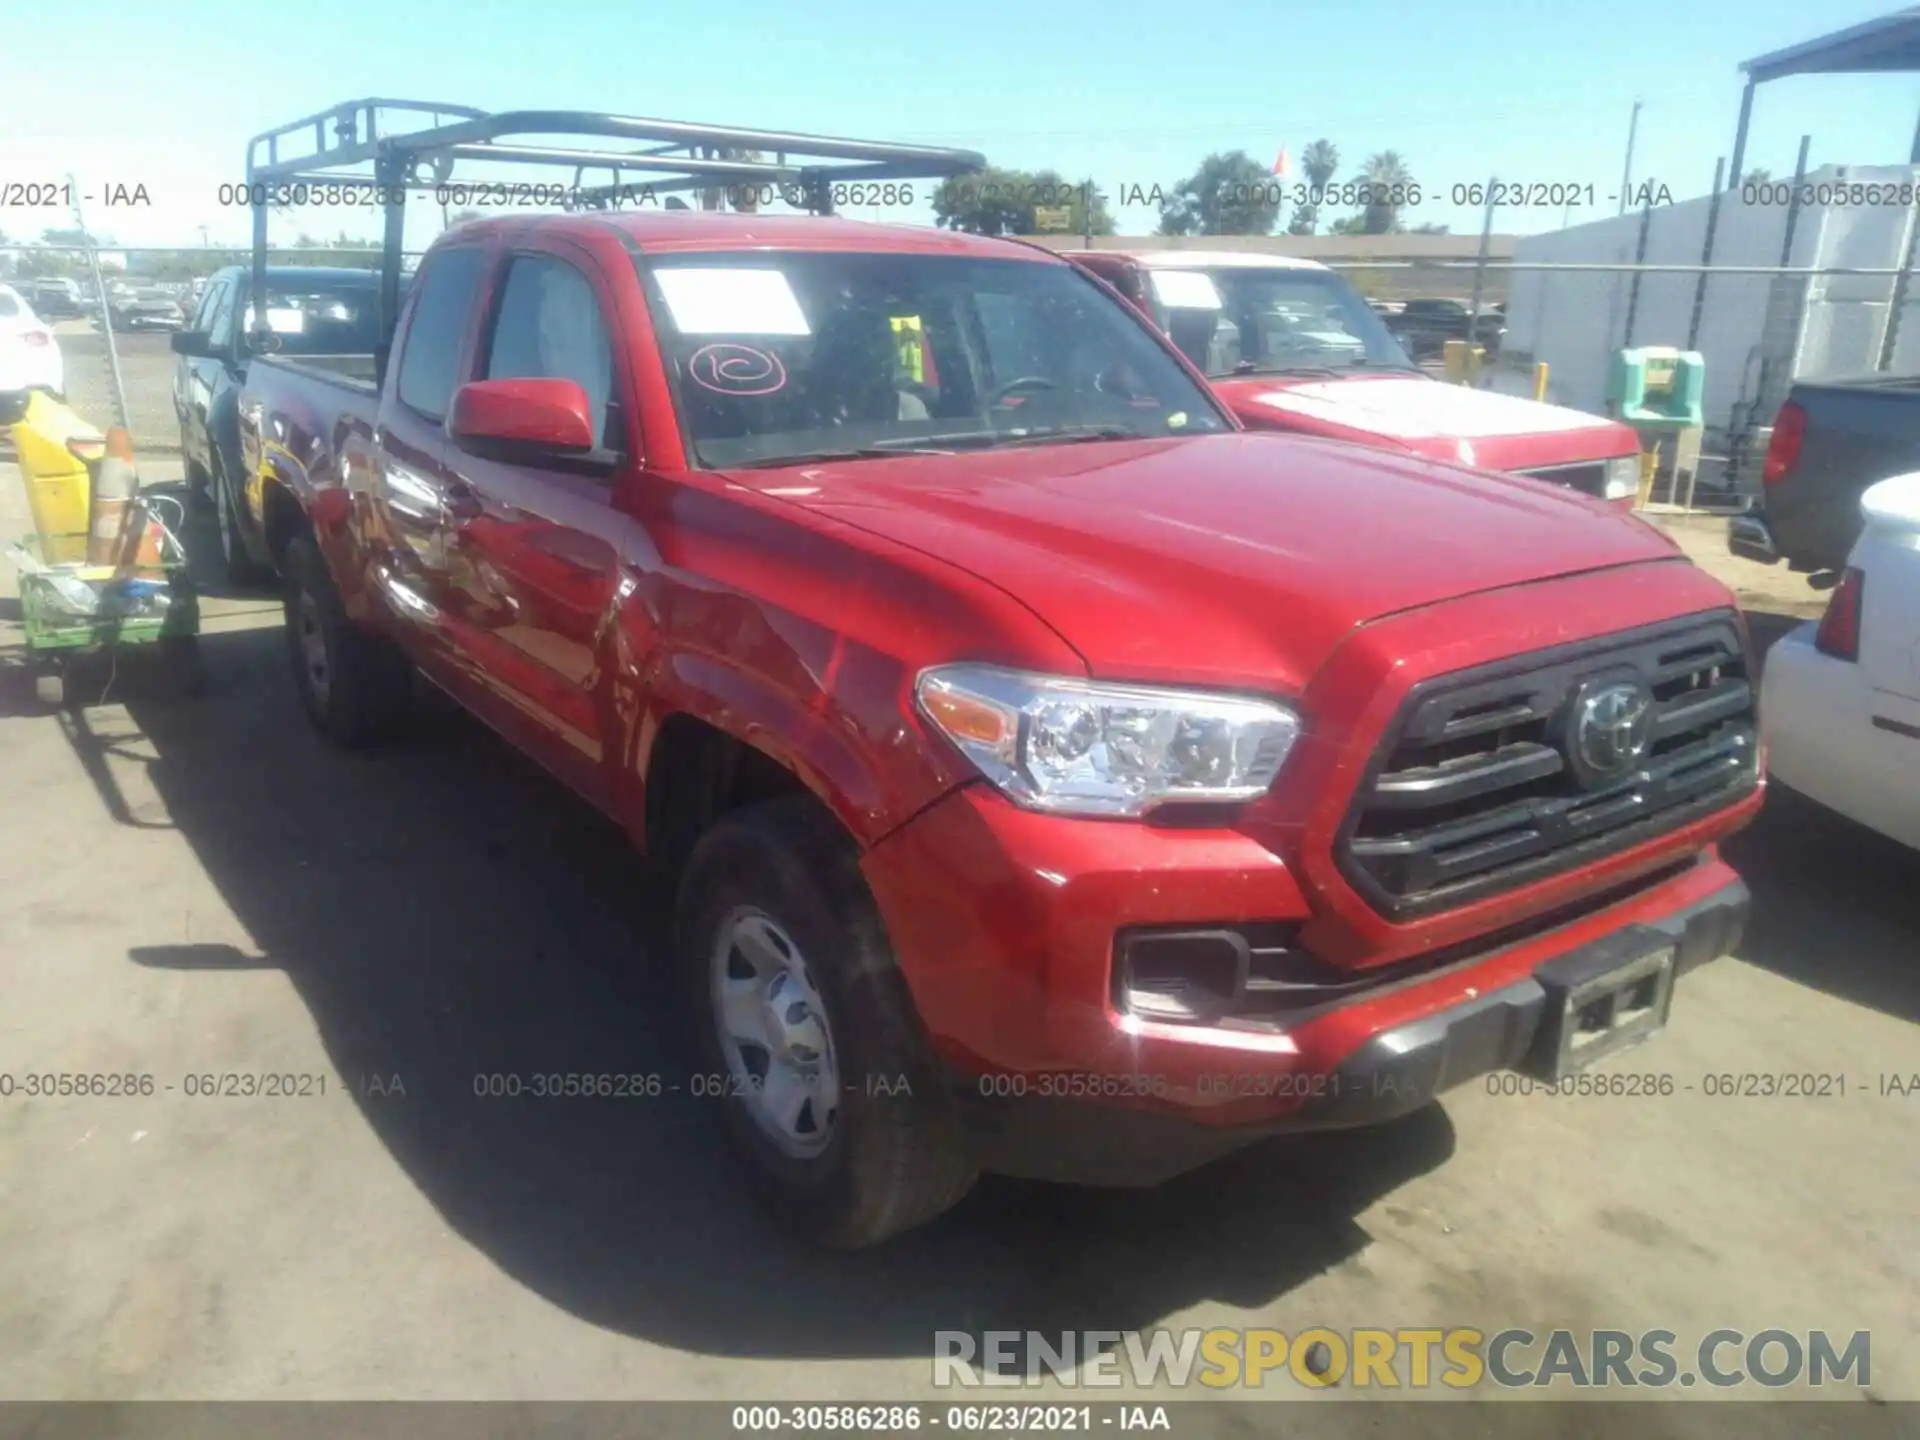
808 1043
356 687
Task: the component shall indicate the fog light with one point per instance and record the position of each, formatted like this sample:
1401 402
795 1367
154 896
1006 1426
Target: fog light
1192 976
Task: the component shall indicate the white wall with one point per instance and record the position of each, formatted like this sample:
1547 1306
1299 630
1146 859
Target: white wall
1575 321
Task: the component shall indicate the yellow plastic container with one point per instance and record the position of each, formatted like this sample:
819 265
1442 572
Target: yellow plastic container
58 487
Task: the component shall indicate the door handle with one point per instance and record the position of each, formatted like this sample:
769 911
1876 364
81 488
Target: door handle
462 502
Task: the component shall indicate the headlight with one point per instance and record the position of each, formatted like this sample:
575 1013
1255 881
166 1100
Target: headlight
1082 748
1623 477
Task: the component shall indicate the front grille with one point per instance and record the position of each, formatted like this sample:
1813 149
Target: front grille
1488 779
1589 477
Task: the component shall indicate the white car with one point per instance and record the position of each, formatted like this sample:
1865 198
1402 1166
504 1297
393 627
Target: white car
29 355
1840 696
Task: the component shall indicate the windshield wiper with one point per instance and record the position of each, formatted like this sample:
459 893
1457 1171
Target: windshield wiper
948 444
1256 367
1068 435
852 452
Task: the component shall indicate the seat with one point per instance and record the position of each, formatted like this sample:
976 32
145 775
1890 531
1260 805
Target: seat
853 375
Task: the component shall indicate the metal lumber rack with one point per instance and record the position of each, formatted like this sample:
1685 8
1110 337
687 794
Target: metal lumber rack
397 145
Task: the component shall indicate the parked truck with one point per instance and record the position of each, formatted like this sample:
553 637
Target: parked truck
1290 345
311 311
1831 441
1055 779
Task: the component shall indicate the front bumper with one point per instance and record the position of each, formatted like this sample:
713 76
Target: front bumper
1397 1071
1004 923
39 368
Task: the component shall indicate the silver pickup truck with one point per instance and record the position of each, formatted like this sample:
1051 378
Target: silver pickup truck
1831 440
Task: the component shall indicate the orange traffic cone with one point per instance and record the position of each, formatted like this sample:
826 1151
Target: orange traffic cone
115 489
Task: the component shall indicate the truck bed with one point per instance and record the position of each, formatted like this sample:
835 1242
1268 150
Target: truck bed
354 371
1857 431
295 411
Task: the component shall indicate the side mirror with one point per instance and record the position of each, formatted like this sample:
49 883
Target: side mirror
524 421
13 406
190 342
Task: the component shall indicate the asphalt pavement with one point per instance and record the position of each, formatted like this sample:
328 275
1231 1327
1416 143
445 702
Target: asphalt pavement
200 887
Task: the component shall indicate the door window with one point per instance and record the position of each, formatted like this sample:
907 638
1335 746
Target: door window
549 325
430 365
219 313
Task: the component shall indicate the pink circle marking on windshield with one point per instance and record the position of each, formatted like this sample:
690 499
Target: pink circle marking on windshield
736 370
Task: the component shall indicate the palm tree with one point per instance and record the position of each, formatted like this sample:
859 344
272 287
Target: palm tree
1321 161
1384 173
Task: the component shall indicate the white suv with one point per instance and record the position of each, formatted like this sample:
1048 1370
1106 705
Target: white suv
29 355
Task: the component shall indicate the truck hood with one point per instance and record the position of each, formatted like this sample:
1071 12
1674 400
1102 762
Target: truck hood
1429 417
1231 559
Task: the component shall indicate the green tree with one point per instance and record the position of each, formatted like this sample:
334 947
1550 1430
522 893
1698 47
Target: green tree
36 263
1230 194
343 252
1756 176
994 201
1321 162
1430 229
1349 225
1384 173
464 217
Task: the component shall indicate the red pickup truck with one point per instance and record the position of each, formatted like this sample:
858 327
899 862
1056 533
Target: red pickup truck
1059 780
1290 345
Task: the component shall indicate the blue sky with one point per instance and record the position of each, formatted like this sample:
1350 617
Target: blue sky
1128 95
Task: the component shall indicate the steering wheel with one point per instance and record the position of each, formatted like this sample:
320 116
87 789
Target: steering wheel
1024 382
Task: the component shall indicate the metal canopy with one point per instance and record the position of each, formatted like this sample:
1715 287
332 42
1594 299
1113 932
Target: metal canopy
1887 45
398 145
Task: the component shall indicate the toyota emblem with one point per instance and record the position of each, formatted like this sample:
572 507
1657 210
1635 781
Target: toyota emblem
1612 723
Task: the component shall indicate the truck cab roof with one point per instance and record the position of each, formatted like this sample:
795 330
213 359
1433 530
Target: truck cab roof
306 274
1210 259
655 230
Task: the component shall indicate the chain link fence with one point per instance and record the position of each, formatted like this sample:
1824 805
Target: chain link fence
115 337
1760 325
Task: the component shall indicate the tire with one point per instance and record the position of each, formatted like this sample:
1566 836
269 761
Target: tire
892 1156
356 687
50 687
241 568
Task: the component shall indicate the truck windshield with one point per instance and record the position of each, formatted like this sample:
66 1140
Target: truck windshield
1233 320
777 358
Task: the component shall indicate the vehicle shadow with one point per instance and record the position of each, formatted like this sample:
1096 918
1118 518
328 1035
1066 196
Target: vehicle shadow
447 912
1835 906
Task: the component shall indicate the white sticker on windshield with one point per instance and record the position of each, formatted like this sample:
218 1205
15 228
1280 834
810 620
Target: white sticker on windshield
731 302
280 322
1186 289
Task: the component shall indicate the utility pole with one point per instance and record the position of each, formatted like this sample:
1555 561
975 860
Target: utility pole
1626 175
106 310
203 237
